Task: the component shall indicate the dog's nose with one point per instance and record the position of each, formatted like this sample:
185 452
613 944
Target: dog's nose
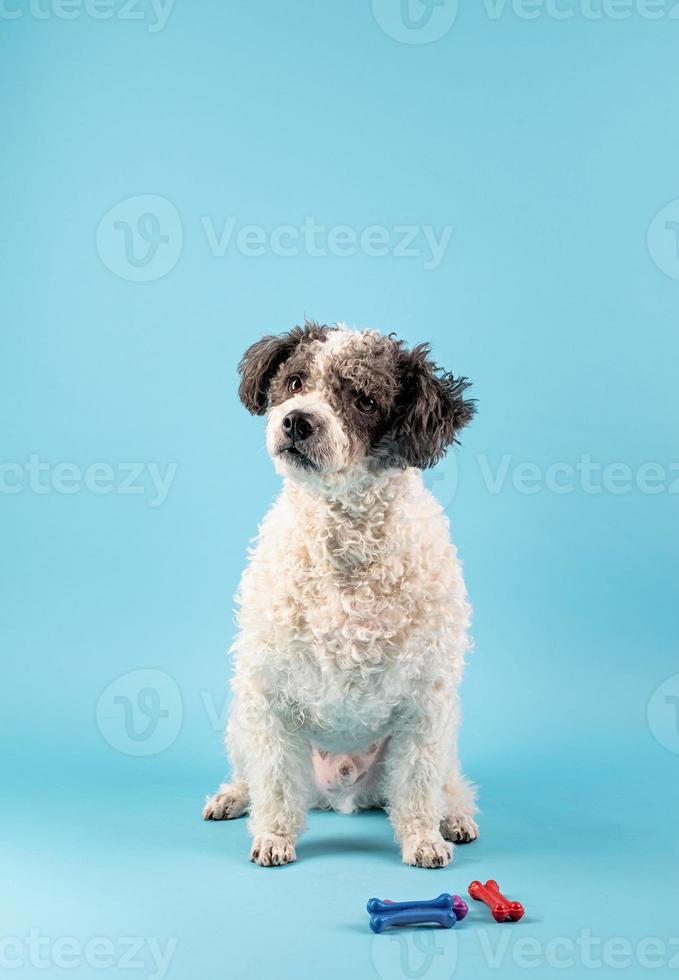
346 769
298 425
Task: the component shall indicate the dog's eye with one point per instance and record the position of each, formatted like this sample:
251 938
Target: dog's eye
295 384
366 404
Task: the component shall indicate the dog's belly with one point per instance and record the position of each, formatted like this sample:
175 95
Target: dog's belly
344 710
346 741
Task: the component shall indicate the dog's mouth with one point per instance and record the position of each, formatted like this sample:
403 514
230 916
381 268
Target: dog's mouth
295 455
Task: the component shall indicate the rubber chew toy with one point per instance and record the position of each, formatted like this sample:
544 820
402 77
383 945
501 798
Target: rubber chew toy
379 921
500 907
444 911
460 907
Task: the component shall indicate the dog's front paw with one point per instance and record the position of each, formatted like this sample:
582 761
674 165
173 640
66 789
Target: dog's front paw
271 850
427 852
228 803
460 829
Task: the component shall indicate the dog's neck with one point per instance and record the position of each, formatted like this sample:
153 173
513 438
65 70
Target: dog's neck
351 519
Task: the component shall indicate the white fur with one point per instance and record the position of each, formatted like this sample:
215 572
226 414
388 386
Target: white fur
352 627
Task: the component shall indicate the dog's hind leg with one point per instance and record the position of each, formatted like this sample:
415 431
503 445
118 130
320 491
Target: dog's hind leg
232 799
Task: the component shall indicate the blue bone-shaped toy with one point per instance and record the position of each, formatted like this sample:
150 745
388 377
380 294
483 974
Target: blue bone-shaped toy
443 911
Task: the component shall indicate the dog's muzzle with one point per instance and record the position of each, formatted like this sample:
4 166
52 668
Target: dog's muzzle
298 426
297 431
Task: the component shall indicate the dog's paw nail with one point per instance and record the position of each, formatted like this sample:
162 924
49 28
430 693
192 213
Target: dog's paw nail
425 852
272 850
460 829
228 804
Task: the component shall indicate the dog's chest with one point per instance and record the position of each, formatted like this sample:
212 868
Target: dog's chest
357 659
347 615
354 625
345 605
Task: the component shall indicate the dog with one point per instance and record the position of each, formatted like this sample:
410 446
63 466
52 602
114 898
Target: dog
353 614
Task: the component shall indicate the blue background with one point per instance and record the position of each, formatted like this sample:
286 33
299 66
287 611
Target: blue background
548 146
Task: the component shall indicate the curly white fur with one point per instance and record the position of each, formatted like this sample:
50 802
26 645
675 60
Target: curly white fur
352 630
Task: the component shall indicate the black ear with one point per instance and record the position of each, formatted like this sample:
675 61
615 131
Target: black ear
259 364
430 411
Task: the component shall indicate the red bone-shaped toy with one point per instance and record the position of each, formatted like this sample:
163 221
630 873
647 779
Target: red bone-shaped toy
501 908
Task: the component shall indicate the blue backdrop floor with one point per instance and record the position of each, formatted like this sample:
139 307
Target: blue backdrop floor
122 861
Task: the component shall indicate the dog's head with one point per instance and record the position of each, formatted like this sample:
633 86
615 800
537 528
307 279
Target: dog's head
340 400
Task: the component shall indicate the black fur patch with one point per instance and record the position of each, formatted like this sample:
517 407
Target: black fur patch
366 367
261 361
428 412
